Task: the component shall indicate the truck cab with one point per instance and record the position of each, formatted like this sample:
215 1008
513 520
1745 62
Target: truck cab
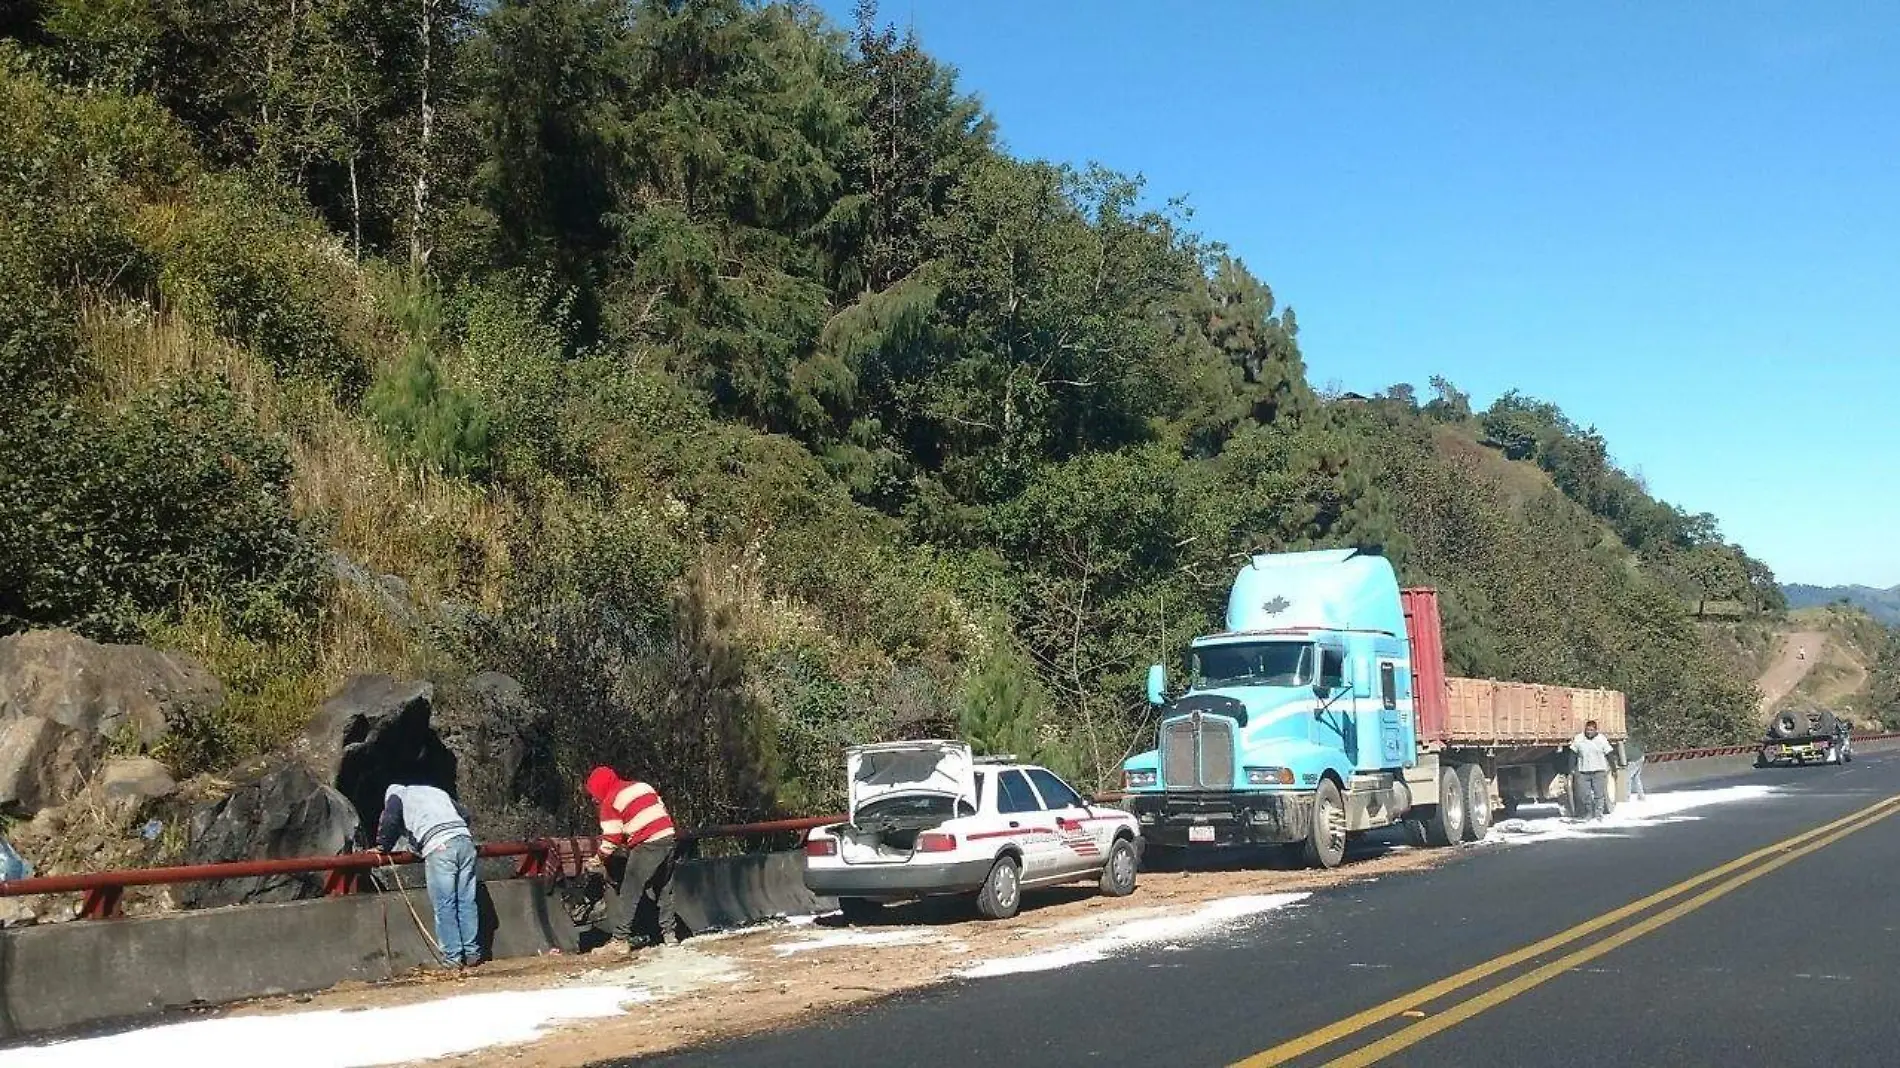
1296 724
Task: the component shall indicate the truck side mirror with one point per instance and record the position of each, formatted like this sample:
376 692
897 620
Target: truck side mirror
1157 685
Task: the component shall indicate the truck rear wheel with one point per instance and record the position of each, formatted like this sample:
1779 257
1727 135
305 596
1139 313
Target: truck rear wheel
1326 838
1477 791
1445 821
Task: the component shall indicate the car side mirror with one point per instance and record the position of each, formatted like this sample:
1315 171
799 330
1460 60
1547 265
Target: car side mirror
1157 685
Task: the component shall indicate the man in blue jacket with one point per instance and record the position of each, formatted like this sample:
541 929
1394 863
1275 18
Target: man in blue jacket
437 828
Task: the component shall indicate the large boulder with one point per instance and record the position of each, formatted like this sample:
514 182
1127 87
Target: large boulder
65 701
504 753
114 692
283 810
42 764
376 731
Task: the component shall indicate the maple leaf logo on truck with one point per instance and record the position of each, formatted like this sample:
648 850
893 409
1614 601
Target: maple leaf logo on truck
1276 606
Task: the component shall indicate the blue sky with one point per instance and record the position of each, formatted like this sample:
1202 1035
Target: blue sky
1679 221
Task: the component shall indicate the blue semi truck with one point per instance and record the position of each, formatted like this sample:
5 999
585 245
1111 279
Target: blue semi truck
1323 710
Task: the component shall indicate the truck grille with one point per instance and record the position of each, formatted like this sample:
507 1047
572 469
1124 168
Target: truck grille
1197 753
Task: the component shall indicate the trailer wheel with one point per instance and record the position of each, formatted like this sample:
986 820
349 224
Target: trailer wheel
1326 838
1445 821
1477 792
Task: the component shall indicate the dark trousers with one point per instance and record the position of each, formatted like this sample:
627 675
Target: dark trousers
643 869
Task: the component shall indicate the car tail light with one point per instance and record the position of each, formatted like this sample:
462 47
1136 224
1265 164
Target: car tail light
821 847
936 842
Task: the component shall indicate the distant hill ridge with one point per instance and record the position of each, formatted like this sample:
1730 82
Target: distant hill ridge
1883 605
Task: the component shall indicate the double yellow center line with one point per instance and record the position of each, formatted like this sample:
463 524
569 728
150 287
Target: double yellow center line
1726 877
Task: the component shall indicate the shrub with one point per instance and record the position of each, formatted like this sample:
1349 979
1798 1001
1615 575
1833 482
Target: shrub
104 516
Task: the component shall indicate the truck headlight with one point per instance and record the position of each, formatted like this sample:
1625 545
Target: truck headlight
1269 776
1137 780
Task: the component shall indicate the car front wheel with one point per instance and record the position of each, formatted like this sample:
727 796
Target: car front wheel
1118 874
1002 892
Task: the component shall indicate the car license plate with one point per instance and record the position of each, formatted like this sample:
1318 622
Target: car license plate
1200 833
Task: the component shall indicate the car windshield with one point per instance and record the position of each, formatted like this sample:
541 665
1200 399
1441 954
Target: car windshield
1253 664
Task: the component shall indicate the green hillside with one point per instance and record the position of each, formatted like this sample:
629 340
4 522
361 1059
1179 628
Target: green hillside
715 372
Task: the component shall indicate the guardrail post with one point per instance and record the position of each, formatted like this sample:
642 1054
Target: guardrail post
101 903
342 883
534 864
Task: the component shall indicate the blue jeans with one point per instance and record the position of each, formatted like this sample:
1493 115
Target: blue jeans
1636 778
450 872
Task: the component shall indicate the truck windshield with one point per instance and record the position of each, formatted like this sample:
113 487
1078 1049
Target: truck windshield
1253 664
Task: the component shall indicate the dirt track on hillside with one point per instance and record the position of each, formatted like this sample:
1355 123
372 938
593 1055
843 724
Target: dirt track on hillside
1788 670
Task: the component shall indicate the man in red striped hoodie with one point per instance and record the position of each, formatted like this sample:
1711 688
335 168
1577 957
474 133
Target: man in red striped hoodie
636 837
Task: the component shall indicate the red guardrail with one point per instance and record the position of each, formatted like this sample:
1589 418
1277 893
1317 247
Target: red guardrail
347 873
1736 750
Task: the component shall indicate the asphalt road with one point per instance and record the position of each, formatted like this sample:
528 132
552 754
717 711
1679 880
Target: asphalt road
1786 958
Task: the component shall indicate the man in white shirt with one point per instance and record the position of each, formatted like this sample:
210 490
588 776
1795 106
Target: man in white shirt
1593 771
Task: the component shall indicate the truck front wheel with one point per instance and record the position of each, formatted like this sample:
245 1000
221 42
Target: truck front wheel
1326 838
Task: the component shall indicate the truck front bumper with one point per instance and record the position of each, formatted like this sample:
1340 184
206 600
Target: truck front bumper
1207 818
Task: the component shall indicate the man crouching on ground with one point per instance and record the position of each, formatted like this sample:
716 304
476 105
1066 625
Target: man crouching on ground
437 827
636 850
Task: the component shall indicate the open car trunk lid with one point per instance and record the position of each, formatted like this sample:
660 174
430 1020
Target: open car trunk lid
893 769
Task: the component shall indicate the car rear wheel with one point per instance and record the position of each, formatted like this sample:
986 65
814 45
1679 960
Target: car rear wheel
1118 874
859 909
1002 892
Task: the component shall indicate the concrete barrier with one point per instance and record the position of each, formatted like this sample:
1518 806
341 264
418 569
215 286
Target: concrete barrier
72 975
734 891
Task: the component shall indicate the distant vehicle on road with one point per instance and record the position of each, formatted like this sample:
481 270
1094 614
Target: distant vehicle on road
930 818
1323 710
1796 738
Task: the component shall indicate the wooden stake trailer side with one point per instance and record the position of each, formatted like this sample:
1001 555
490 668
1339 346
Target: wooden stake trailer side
1512 734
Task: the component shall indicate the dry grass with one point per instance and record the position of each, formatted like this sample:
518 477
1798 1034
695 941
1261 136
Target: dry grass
443 537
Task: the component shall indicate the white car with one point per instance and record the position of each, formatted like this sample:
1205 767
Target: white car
928 818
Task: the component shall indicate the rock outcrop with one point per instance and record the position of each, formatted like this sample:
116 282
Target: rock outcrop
284 810
66 701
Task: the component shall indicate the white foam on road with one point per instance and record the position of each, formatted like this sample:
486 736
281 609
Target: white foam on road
851 938
1211 918
1654 810
338 1038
